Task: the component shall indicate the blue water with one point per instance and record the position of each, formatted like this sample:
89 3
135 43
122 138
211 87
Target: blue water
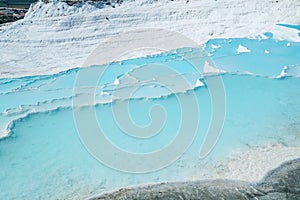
290 26
44 158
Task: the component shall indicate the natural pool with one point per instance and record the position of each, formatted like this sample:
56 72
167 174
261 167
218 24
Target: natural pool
43 156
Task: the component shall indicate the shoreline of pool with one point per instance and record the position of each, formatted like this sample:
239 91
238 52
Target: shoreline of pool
269 187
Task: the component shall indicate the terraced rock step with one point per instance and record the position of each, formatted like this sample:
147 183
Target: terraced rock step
282 183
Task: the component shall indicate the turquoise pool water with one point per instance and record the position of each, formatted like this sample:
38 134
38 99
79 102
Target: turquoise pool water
42 156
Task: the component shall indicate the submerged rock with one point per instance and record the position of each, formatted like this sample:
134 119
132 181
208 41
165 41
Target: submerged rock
284 181
280 183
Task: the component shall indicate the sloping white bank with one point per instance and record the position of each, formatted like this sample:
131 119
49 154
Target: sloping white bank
54 37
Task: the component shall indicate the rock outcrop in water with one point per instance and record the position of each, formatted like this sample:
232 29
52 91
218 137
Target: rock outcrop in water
282 183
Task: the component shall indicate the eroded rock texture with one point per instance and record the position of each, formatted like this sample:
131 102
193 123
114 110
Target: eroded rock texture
282 183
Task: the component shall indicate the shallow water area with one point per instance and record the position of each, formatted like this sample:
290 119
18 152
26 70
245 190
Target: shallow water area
42 156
